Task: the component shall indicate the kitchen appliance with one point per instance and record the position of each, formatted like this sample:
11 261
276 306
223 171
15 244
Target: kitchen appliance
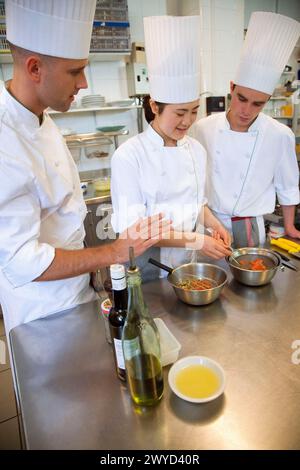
137 79
215 104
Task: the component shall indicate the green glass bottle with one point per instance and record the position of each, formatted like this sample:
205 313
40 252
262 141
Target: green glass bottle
141 345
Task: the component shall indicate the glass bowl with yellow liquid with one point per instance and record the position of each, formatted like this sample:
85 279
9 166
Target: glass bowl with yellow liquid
197 379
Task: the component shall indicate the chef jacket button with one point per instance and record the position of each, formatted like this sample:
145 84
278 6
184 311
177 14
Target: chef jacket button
220 130
56 163
218 152
248 155
242 176
235 196
164 173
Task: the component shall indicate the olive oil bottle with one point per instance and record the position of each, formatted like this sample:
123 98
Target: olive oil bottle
141 345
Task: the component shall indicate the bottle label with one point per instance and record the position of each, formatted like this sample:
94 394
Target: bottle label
131 347
119 353
119 284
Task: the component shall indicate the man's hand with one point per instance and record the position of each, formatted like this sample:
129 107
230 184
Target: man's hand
141 235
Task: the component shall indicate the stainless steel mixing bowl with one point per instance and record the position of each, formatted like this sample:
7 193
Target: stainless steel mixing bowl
254 278
211 272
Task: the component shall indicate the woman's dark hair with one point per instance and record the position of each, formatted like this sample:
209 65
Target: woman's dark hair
149 116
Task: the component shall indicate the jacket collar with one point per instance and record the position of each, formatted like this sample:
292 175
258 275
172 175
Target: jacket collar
19 113
253 128
158 141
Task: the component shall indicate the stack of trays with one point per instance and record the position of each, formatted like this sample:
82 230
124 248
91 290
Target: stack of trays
93 101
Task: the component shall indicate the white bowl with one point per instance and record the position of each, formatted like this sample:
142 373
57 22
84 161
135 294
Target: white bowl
202 361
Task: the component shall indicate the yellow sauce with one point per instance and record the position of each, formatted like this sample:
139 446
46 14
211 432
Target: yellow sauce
197 381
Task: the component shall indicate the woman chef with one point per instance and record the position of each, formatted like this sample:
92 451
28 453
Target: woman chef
251 156
162 168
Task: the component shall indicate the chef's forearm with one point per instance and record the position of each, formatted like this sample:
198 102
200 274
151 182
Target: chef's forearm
71 263
288 216
210 221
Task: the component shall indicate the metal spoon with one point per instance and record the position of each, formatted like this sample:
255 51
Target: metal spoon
234 259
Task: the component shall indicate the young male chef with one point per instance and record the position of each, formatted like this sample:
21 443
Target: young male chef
251 157
43 266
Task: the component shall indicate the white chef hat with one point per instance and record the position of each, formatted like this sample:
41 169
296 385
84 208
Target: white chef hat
269 42
59 28
172 45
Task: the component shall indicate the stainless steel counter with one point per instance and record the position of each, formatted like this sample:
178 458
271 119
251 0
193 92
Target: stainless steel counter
71 399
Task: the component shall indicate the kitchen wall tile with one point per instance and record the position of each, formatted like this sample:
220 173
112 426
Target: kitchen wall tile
225 41
224 20
134 7
206 71
227 4
136 29
189 7
9 435
7 398
154 7
4 356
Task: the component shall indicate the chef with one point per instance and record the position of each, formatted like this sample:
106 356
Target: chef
251 156
43 265
162 168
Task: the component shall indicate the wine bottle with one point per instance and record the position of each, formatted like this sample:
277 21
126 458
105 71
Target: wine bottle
141 345
117 316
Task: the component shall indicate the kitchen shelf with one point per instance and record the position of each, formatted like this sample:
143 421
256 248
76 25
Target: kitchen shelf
96 109
282 117
84 140
281 98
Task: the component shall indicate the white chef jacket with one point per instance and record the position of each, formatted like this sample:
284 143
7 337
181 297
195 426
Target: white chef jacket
245 170
41 208
148 178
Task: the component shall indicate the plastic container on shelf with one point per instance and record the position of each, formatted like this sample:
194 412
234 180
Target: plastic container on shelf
98 149
287 110
102 183
169 345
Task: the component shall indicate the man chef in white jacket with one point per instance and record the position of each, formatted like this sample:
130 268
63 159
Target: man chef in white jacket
251 157
43 265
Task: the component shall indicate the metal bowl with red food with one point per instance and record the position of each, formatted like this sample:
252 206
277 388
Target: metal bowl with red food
254 266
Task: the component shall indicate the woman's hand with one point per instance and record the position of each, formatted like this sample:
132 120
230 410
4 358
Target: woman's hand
222 234
214 248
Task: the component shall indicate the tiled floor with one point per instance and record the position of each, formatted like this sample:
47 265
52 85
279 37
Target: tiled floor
9 429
